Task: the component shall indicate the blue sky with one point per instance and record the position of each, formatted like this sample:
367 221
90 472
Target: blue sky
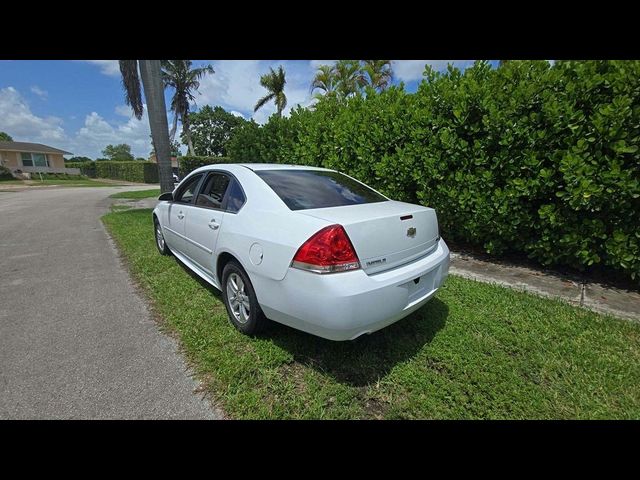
78 105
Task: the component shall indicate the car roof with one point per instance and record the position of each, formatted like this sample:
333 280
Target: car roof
237 168
279 166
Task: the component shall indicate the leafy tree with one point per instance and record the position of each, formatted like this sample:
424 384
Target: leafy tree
378 73
274 82
184 80
5 137
245 146
120 152
211 129
151 74
77 159
175 149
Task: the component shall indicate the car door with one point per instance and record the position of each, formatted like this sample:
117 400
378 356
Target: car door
204 219
177 213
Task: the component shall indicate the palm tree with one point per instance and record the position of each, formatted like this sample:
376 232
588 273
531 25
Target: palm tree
184 80
157 112
324 80
349 77
274 82
379 73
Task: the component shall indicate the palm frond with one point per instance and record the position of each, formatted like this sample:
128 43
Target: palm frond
131 86
274 82
260 103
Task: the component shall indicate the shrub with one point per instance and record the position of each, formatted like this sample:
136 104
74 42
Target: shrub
133 171
524 158
189 163
5 173
86 168
54 176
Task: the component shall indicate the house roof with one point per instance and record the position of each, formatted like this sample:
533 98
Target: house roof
30 147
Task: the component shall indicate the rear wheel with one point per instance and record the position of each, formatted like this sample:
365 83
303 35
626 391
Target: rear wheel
160 243
240 300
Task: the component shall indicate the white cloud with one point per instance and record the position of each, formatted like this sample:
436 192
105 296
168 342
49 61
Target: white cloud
39 92
236 86
410 70
123 110
316 63
18 121
108 67
236 113
97 133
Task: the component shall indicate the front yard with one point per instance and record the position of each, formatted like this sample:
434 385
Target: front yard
66 182
475 351
137 194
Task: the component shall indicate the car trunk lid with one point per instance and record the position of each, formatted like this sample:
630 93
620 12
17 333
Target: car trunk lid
384 234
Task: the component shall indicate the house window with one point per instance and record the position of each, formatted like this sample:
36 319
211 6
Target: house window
34 160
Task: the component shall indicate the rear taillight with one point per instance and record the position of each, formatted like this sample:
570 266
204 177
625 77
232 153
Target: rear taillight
328 251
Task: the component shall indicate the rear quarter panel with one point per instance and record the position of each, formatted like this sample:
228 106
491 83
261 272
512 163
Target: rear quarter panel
280 234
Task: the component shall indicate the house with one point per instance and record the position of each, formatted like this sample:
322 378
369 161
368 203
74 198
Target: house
174 160
33 158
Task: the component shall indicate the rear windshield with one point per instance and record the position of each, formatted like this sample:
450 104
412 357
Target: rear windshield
303 189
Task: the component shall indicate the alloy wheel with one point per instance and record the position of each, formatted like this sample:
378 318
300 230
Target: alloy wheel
237 298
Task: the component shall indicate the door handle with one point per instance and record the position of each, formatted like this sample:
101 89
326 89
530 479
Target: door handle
213 225
180 215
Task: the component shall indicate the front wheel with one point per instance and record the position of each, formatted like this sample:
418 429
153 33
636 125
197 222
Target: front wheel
241 301
160 242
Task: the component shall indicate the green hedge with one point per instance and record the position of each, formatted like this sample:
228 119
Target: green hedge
526 158
190 162
86 168
5 173
134 171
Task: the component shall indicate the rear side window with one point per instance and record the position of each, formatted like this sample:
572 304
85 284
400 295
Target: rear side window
236 197
303 189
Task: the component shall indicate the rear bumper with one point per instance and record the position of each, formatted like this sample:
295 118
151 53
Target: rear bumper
343 306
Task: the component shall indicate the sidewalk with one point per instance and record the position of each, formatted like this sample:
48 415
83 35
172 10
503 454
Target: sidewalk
593 296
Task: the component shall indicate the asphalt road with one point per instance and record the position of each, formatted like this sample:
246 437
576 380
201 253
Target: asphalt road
76 339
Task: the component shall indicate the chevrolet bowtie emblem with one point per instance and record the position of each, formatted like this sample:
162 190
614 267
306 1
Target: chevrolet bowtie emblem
411 232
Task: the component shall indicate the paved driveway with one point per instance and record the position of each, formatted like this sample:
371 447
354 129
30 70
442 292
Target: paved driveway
76 340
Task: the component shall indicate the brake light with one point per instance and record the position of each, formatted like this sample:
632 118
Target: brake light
328 251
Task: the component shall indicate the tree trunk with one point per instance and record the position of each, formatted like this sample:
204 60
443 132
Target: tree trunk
187 133
172 133
157 111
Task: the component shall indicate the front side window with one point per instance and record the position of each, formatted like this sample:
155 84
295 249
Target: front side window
303 189
187 192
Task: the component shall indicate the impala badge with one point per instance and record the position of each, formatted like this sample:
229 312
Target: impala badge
411 232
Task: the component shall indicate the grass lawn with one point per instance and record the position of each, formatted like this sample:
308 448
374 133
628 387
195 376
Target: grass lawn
76 182
154 193
475 351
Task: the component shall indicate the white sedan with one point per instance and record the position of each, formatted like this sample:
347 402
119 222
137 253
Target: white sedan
308 247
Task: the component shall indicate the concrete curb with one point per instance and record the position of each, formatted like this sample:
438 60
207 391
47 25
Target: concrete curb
599 298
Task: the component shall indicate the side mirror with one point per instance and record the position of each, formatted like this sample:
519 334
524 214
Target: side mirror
167 197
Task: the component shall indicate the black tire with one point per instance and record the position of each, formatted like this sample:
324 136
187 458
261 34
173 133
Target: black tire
161 244
255 322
